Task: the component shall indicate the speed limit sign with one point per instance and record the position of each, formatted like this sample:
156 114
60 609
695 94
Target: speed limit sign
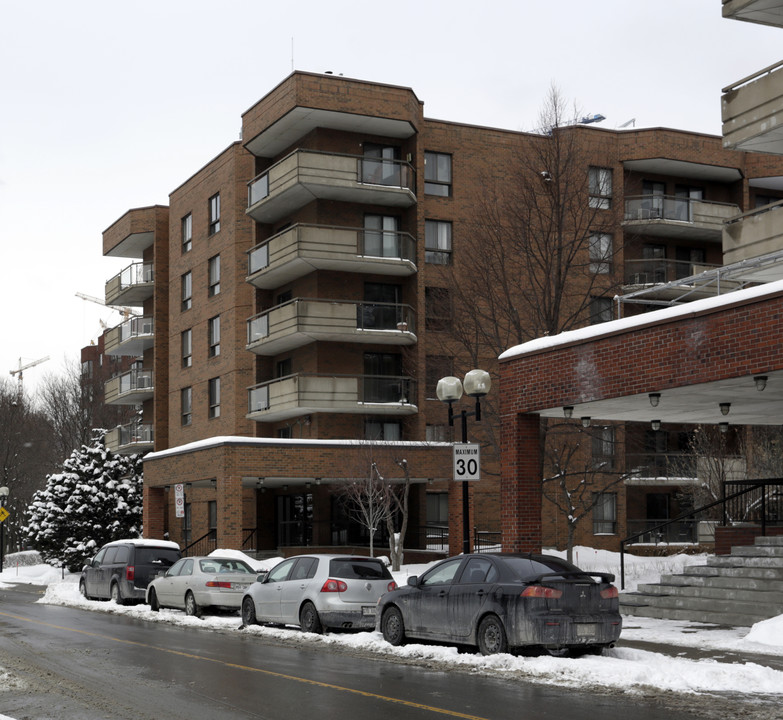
467 461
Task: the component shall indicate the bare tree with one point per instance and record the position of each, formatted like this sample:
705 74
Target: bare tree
397 501
366 501
578 480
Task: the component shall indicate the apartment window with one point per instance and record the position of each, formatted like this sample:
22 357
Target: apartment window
284 432
437 242
186 405
212 515
603 448
381 236
600 253
214 397
437 508
187 233
437 308
600 310
437 174
213 336
214 214
284 368
438 366
382 430
605 513
437 433
187 291
600 182
214 275
87 369
187 348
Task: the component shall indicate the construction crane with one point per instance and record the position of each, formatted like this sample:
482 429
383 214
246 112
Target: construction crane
126 312
20 370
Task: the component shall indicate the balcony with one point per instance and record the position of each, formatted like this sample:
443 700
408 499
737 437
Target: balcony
130 388
753 112
763 12
300 249
753 233
304 393
302 321
135 232
131 338
130 439
132 286
656 271
306 175
677 217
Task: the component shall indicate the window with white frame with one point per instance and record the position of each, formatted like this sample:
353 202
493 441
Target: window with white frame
605 513
213 336
437 174
603 448
600 182
187 233
186 405
214 214
600 310
600 253
214 397
214 276
187 348
187 290
437 242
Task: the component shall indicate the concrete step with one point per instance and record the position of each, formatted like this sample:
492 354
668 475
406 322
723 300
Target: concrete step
758 551
701 616
737 595
770 540
720 581
744 561
739 571
758 609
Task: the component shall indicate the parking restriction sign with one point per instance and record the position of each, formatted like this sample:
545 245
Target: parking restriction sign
179 500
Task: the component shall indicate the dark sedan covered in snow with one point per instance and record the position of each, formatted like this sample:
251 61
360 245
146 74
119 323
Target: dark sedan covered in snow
505 602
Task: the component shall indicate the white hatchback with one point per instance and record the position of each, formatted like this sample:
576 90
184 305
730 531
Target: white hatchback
319 592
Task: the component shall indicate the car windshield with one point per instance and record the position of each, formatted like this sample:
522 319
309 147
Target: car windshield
164 557
528 568
224 565
358 569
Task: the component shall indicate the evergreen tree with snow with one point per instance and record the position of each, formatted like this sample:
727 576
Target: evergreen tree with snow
96 498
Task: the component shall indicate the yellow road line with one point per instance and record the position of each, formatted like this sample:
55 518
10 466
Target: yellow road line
295 678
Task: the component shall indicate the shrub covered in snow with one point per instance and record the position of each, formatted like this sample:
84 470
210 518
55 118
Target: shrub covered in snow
95 499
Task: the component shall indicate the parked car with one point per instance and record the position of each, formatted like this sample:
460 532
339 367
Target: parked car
319 592
504 602
195 583
121 570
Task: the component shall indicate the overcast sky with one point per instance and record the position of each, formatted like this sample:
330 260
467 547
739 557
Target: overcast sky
105 106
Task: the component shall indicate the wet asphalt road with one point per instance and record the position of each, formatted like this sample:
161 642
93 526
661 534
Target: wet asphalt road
68 663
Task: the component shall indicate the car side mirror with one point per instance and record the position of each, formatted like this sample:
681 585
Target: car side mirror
261 577
413 580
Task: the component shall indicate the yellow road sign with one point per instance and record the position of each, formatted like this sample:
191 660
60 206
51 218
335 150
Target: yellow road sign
3 514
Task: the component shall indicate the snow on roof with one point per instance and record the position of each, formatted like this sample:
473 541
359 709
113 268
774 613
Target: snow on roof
295 442
146 542
616 327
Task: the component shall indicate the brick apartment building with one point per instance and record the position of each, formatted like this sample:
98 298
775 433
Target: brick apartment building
711 356
294 301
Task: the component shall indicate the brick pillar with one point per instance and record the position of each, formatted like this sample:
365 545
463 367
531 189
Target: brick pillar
520 485
154 504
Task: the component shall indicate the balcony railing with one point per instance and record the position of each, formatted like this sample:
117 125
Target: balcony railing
132 286
672 216
132 337
131 438
306 174
753 233
130 388
653 271
305 320
293 395
299 249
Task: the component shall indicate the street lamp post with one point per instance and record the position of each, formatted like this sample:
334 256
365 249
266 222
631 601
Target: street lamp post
477 384
3 495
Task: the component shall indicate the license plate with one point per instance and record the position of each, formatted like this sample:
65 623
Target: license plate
239 586
586 630
368 609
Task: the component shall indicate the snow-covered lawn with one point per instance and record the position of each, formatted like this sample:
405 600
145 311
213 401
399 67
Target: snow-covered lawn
621 668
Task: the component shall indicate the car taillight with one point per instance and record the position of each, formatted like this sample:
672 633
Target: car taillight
539 591
391 586
218 584
334 586
609 593
130 572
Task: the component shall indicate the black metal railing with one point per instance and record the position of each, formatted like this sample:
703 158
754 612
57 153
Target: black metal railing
757 501
203 546
486 541
249 543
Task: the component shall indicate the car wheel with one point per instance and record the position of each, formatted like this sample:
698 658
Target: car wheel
83 590
154 604
248 612
191 606
116 595
393 627
309 620
491 636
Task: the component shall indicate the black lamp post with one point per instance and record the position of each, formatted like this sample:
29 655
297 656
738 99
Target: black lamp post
3 495
477 384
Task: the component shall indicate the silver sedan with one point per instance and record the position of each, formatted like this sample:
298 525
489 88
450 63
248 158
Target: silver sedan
318 592
195 583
